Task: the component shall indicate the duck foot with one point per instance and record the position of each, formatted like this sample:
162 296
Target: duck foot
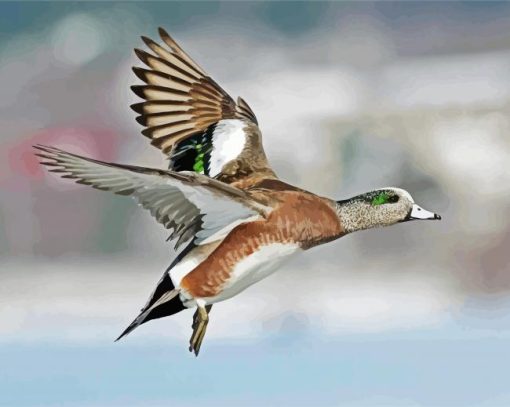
199 326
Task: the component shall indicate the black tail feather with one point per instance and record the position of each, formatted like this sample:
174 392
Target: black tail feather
164 301
139 320
154 308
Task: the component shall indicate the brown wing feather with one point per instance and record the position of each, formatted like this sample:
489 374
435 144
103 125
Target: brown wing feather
176 84
182 102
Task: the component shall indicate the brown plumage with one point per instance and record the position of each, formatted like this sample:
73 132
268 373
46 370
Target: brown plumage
297 218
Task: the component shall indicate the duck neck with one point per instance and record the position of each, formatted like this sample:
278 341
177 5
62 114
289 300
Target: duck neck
355 215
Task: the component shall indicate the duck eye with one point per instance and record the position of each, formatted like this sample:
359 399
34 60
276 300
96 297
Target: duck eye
393 199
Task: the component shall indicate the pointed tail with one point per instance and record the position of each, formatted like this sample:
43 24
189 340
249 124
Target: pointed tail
164 301
165 304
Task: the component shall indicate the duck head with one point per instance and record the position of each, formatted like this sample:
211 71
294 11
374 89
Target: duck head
382 207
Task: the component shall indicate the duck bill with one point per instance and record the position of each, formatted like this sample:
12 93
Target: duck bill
418 212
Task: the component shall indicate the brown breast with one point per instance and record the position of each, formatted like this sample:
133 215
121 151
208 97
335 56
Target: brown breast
298 217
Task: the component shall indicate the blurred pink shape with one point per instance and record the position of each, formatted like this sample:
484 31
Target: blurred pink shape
98 143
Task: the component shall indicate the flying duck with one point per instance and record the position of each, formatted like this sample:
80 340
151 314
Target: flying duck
232 220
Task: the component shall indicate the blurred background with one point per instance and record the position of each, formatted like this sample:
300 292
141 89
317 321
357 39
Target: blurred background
350 97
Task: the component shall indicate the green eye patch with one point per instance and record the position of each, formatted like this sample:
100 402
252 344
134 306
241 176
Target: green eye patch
380 199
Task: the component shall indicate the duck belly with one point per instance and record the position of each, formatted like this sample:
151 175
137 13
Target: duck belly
258 265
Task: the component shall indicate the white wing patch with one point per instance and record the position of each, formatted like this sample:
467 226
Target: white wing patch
229 140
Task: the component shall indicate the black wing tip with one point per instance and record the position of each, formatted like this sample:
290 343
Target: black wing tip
163 33
148 133
138 107
141 73
147 41
139 90
168 40
139 52
141 119
142 55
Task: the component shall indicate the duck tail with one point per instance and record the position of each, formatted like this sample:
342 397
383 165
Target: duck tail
164 301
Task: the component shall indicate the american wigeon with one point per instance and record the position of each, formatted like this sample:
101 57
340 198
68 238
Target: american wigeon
231 217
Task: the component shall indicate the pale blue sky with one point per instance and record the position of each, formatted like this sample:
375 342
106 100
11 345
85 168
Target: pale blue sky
443 367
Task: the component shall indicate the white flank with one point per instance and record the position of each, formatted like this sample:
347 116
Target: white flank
181 269
229 140
254 268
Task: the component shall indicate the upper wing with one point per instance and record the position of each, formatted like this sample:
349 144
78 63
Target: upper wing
192 205
192 119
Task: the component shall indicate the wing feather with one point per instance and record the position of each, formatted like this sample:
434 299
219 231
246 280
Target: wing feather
184 108
192 206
